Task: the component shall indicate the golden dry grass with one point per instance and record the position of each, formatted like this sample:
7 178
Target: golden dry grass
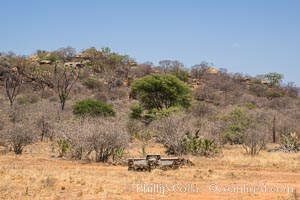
38 174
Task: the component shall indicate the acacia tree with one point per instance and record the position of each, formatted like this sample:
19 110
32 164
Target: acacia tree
292 90
161 91
274 78
58 76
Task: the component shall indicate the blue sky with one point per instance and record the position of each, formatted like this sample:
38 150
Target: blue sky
248 36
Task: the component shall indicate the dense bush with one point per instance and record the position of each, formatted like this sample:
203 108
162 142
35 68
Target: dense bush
254 139
179 138
136 111
258 90
156 114
106 139
93 108
16 138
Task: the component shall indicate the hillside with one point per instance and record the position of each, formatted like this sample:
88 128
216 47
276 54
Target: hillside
69 121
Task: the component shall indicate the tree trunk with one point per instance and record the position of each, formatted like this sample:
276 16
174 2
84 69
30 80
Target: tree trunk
274 130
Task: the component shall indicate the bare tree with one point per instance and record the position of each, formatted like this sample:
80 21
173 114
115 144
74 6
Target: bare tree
65 53
65 78
46 127
199 70
292 90
142 70
12 82
169 65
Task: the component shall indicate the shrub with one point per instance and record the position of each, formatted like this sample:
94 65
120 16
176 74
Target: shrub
101 96
202 109
107 139
93 108
92 83
122 94
136 111
237 122
200 146
155 114
53 99
254 140
171 133
290 143
258 90
271 94
47 94
63 146
22 100
17 138
32 98
179 138
134 127
250 105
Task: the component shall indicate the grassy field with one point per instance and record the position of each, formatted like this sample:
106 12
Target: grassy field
39 174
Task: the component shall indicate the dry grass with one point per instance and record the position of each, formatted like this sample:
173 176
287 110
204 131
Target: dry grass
37 174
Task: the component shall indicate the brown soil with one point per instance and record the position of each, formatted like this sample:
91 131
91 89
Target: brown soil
39 174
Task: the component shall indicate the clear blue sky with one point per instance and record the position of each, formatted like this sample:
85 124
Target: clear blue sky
252 37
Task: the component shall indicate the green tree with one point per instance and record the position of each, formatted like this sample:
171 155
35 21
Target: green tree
161 91
274 78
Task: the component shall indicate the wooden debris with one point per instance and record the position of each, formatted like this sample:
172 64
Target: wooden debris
156 162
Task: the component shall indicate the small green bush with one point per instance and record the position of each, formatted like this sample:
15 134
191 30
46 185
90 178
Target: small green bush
92 107
136 111
250 105
23 100
156 114
92 83
273 94
63 146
